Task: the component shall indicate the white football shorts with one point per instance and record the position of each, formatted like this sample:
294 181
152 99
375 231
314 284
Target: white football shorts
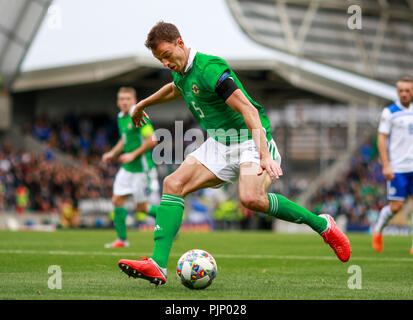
224 161
140 185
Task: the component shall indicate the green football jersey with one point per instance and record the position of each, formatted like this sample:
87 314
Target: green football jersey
198 86
133 138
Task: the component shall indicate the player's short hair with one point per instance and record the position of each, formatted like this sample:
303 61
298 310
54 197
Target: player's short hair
162 31
127 90
406 79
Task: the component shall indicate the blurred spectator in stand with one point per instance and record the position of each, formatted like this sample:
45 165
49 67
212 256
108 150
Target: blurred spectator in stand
22 198
100 142
2 193
84 143
69 215
42 128
66 139
5 164
246 217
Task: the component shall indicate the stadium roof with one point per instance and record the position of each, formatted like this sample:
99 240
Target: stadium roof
301 70
324 80
380 46
20 20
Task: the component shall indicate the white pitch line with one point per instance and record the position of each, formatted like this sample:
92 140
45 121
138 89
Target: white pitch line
218 256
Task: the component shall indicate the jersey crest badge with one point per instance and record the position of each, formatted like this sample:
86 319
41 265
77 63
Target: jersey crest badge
129 126
195 89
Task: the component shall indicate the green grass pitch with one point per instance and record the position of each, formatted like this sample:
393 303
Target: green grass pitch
251 266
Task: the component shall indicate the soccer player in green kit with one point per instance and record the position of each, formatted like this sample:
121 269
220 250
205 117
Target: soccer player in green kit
240 147
137 177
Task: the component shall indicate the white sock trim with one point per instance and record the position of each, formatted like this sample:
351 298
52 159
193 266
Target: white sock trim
326 216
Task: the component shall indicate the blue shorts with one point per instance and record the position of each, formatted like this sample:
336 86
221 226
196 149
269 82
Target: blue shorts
400 187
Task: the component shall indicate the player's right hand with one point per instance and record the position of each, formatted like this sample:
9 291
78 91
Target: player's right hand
388 173
271 167
107 156
138 116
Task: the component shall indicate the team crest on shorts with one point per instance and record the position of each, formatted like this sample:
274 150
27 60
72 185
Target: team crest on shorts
195 89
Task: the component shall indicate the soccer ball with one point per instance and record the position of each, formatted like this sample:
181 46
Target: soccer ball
196 269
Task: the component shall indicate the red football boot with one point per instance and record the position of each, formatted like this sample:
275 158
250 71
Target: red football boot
145 268
337 240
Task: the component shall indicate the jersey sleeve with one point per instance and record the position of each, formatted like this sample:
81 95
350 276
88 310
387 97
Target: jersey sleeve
213 73
385 122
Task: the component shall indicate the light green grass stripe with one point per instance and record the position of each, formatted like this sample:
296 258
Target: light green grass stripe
223 256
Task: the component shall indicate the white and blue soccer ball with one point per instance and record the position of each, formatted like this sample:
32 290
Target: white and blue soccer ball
196 269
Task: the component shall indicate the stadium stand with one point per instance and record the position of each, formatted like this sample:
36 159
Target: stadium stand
358 192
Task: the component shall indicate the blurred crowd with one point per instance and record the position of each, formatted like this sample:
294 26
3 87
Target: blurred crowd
359 192
81 136
38 182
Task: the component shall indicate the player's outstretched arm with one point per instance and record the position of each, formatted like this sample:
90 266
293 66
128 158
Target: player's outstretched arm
384 156
239 102
167 93
114 152
149 143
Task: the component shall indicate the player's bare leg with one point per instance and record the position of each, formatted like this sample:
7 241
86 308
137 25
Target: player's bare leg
253 195
189 177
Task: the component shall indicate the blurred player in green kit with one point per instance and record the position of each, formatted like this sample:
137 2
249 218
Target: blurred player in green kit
137 177
240 147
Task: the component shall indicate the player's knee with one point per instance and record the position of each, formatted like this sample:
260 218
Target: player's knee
117 201
172 185
252 201
396 206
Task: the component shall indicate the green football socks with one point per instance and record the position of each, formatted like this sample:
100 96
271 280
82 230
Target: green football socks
120 222
152 211
284 209
167 223
169 218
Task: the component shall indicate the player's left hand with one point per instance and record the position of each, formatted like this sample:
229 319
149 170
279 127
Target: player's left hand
138 116
127 157
271 167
